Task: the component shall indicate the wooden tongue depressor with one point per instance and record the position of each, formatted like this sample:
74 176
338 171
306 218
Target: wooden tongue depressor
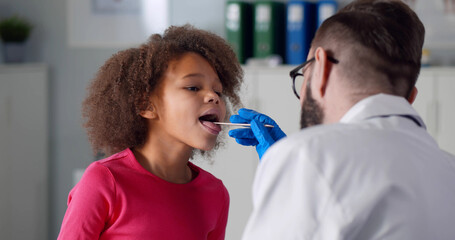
239 124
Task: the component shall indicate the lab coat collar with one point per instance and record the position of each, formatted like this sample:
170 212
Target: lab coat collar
380 105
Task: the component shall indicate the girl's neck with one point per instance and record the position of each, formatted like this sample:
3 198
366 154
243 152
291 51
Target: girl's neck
168 164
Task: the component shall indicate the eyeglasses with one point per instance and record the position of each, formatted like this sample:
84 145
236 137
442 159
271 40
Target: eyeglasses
297 78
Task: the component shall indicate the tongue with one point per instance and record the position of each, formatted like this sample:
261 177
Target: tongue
211 125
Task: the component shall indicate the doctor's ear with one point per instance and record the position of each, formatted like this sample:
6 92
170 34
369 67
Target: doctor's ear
321 72
149 112
412 96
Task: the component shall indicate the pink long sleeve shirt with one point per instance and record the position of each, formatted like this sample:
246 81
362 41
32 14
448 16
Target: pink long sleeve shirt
118 199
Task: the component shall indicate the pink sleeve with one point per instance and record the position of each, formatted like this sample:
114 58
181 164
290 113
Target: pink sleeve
220 230
90 204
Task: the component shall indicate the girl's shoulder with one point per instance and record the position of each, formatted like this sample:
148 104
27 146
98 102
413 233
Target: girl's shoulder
203 174
207 180
125 154
117 162
101 171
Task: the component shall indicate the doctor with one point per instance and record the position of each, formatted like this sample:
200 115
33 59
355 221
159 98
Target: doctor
363 166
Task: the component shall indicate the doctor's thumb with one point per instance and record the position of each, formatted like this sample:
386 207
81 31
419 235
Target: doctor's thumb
263 137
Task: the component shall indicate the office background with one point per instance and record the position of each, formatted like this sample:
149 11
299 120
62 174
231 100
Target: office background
71 68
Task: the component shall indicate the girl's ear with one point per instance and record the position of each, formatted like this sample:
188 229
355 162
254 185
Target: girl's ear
149 113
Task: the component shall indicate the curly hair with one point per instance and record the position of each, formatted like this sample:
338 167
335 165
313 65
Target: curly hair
123 85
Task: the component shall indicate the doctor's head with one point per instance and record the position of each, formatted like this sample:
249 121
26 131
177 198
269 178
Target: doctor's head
368 47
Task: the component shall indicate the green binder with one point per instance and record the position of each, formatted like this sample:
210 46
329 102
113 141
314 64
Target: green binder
269 29
238 25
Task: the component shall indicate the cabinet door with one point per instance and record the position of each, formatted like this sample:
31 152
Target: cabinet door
24 158
276 98
5 172
434 102
446 99
425 103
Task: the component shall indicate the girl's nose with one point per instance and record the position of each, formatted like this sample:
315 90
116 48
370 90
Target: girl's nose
212 97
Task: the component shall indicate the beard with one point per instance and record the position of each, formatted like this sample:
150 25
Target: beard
311 113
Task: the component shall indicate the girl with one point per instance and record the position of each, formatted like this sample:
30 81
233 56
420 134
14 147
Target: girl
152 106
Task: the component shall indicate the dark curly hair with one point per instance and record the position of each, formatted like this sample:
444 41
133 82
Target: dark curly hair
123 85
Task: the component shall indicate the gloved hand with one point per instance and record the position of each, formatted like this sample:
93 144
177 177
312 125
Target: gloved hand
258 135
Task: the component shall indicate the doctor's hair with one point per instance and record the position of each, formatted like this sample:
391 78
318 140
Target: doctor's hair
378 42
122 87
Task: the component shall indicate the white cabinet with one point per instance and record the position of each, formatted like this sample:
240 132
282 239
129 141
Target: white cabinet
273 95
24 152
435 102
446 111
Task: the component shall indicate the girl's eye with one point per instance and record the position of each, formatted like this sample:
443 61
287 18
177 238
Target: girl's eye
194 89
219 93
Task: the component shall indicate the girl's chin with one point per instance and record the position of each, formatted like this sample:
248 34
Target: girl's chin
206 143
207 147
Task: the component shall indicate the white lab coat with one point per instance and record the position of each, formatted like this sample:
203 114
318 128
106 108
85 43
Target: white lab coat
370 176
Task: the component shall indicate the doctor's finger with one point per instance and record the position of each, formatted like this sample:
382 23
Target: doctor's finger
261 133
238 119
242 133
247 141
265 119
251 114
248 114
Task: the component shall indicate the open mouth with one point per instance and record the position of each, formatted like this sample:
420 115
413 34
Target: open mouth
207 121
209 118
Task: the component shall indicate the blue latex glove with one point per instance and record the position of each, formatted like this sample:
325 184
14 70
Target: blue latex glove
258 135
